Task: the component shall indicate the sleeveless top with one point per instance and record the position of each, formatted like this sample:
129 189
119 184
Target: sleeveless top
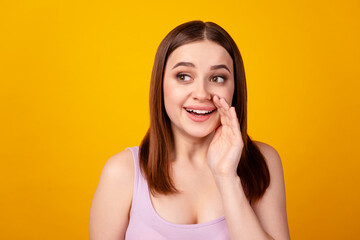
145 223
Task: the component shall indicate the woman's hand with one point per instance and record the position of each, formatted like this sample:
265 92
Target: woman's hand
225 149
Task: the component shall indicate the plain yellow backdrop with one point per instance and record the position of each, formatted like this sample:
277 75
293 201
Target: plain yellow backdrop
74 82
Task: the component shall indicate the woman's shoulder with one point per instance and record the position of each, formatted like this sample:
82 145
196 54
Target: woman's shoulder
272 205
270 154
120 165
111 204
273 161
118 172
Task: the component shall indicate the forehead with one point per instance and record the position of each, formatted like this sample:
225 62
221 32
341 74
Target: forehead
201 53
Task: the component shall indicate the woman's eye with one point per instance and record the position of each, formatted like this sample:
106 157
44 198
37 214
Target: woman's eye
183 77
218 79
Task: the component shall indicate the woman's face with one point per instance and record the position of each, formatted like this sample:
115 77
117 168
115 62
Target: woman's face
194 73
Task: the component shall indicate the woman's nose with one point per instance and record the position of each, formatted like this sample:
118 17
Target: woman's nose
201 91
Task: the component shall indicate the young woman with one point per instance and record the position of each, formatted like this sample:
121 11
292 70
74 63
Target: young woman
197 174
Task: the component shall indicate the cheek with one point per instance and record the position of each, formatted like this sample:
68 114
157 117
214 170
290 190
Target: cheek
226 93
167 92
229 93
173 100
173 94
170 95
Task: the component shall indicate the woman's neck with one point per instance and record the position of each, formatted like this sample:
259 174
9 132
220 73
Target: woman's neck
191 150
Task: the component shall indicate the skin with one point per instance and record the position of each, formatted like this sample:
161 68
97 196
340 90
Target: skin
217 143
197 87
206 157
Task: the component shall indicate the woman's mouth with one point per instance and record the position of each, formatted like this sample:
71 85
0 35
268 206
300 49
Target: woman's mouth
198 115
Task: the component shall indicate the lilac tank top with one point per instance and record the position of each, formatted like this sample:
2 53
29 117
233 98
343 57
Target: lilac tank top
145 223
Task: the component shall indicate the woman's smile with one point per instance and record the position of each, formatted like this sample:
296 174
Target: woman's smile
193 75
199 114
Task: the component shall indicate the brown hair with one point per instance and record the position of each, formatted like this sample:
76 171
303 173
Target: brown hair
158 144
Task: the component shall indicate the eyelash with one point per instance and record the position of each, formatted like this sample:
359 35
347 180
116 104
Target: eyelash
182 74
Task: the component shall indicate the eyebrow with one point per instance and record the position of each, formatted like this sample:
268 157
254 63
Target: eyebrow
189 64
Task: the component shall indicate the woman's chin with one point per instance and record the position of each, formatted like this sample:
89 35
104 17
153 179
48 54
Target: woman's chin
201 133
197 132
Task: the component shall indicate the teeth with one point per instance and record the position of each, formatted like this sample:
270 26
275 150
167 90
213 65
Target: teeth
198 111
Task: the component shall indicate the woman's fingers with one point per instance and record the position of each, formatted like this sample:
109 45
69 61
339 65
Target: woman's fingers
234 119
217 103
223 109
227 114
224 104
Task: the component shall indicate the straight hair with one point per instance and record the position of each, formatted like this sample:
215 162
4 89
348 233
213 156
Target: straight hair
157 145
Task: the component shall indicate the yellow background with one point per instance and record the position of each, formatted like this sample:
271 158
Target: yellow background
74 81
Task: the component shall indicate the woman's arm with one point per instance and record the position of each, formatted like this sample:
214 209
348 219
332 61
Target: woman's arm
109 212
271 208
267 219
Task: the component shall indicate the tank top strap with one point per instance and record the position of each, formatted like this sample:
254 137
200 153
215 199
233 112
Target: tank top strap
137 187
140 190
